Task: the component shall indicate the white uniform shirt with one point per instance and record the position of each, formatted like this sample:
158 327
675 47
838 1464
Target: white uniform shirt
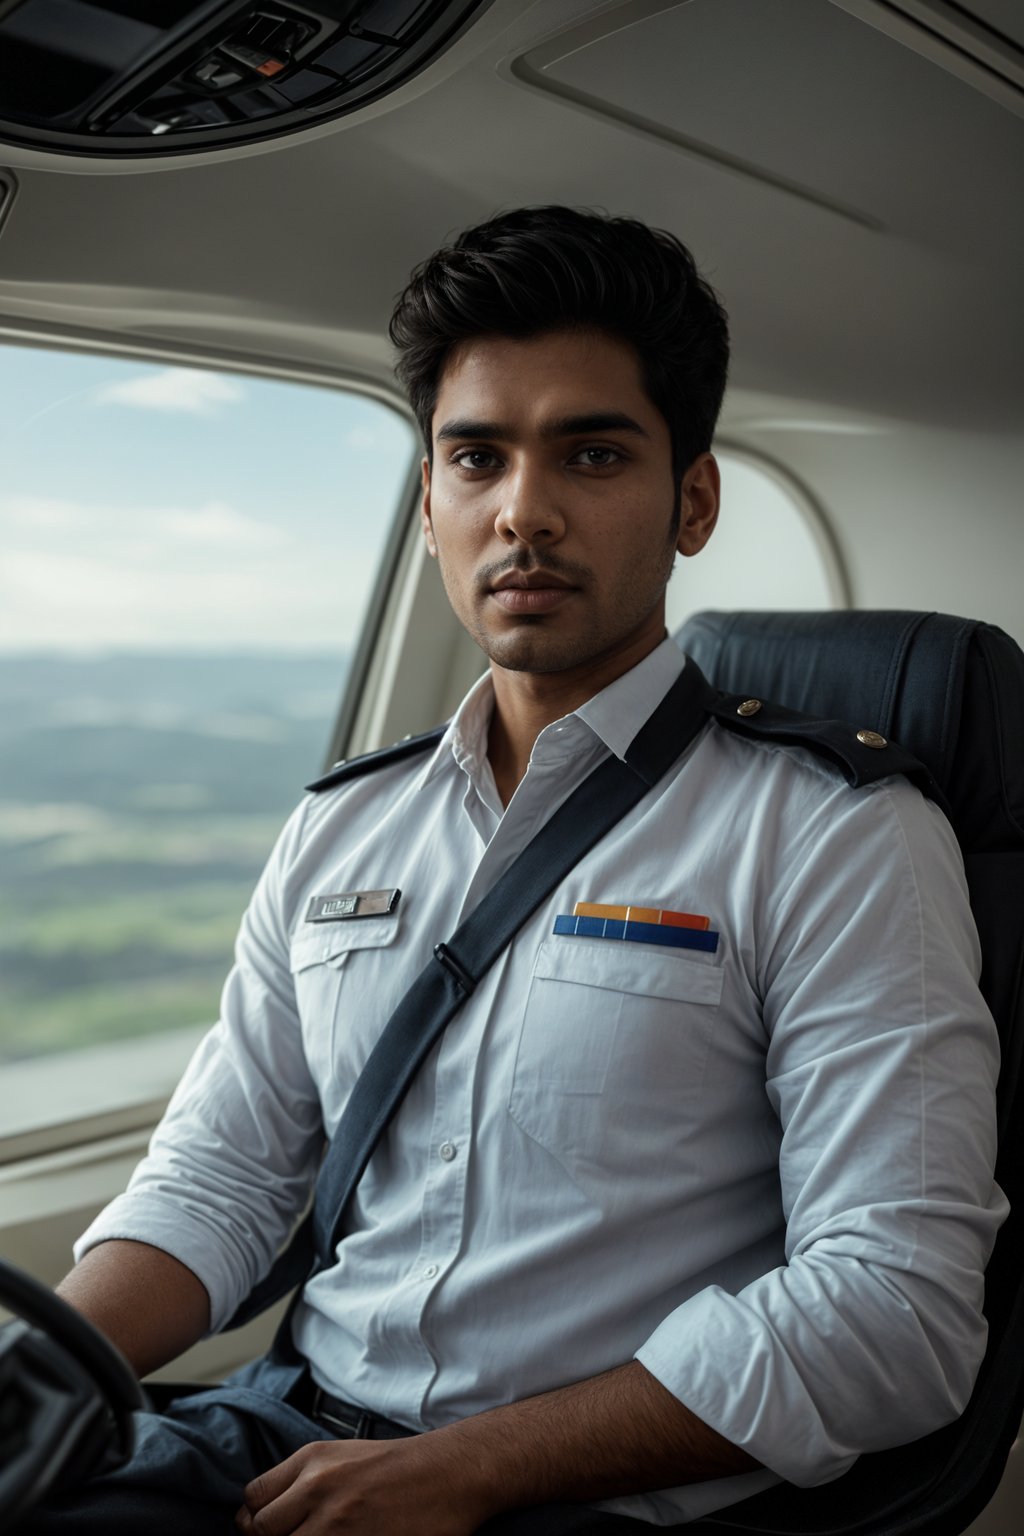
765 1172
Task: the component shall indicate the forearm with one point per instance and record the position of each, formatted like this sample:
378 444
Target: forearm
614 1434
147 1303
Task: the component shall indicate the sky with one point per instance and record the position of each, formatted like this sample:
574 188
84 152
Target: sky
150 507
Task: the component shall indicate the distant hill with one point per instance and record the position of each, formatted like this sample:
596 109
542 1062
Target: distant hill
248 728
139 798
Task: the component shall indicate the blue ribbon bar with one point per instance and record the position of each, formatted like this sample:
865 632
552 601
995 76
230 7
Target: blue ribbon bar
640 933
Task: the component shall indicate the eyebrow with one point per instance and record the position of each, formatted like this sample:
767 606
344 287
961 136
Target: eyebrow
561 426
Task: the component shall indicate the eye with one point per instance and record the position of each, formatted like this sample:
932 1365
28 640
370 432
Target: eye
597 456
474 458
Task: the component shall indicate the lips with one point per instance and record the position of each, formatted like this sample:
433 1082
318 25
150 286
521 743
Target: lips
530 592
529 581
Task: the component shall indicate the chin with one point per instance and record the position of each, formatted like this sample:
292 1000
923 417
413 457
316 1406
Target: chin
530 649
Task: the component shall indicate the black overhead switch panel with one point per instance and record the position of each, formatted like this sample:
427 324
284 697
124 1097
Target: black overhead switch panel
161 76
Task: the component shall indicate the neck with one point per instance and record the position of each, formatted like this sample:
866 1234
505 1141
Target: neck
526 702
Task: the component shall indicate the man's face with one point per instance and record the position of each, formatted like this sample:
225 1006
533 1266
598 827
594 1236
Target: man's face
550 505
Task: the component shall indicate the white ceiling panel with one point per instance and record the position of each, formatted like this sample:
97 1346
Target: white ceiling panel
853 202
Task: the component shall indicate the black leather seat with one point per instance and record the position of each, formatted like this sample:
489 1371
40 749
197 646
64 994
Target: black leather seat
950 690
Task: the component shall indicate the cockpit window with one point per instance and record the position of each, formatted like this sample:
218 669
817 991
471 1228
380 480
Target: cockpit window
188 562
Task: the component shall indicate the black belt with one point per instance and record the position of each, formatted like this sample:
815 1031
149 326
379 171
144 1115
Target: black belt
348 1422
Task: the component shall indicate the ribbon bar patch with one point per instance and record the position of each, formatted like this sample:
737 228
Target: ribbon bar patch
641 925
333 909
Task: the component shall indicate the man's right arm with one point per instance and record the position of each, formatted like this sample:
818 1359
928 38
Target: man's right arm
229 1167
148 1304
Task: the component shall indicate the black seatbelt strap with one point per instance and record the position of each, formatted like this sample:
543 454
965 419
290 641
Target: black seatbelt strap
458 965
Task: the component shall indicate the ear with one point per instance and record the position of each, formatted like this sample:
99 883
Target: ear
426 522
700 494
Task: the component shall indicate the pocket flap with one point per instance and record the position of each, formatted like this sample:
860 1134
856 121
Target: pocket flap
623 967
329 943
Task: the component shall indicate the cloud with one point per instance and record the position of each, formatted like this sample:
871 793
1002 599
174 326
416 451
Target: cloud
191 390
129 584
218 524
39 512
135 534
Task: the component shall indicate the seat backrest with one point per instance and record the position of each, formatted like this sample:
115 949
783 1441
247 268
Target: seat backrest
951 691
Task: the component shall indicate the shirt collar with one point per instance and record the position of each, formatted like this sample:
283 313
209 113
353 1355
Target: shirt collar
614 715
619 711
465 740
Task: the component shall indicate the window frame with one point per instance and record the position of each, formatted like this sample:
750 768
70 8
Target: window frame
807 504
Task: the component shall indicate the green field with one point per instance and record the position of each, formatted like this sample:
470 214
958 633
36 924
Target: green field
128 855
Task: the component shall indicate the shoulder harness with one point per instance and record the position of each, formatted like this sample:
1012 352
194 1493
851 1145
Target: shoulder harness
355 767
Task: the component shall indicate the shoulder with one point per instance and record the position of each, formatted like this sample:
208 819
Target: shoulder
365 790
410 747
797 789
859 754
804 780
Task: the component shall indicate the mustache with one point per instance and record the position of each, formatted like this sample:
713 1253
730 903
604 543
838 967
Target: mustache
531 562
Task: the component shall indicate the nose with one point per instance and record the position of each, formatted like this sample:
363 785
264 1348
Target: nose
530 512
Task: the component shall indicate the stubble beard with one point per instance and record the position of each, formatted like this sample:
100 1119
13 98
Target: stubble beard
530 649
535 645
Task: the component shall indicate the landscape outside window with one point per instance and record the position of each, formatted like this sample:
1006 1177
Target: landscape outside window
186 560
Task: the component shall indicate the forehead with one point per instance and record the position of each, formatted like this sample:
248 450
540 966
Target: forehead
505 378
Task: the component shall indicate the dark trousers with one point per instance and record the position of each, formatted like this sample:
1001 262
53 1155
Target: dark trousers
191 1463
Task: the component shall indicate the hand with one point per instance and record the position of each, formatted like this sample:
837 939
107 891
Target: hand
364 1488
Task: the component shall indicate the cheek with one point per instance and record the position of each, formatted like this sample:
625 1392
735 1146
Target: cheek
456 564
635 551
629 534
459 533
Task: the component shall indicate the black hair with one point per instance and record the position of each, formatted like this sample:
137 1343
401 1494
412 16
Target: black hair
535 270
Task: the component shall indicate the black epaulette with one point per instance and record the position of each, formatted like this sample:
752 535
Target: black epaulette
355 767
862 755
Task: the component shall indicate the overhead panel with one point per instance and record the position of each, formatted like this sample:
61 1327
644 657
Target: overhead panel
149 77
800 97
979 41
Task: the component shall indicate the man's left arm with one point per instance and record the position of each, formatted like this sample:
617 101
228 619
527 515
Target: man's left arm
618 1433
881 1066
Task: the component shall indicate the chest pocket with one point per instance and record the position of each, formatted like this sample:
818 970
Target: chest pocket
612 1047
338 974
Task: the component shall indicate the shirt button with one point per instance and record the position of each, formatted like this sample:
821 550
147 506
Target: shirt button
430 1273
446 1151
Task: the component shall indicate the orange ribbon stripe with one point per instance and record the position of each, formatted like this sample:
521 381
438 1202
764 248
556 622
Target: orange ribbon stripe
642 915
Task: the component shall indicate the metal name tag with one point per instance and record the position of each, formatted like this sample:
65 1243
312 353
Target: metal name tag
332 909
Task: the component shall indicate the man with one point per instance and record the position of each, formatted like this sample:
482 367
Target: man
657 1224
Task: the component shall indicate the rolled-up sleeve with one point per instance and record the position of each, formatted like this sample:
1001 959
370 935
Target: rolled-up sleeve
231 1164
881 1066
